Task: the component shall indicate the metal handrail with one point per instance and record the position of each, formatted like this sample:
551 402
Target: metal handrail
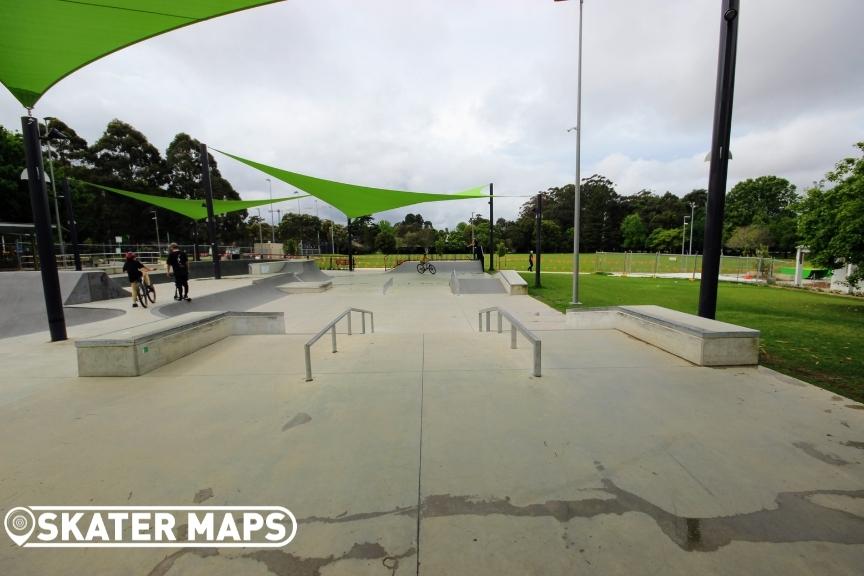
332 327
515 325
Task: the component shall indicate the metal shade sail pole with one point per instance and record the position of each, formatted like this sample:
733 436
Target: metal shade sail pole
491 232
538 248
73 225
42 223
211 221
719 159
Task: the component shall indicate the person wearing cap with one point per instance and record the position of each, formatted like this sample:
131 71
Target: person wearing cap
133 268
178 262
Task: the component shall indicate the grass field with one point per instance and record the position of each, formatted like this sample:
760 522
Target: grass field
815 337
633 262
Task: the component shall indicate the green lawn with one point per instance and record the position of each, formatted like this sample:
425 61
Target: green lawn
815 337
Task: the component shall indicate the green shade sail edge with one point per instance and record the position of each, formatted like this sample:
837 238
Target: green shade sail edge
43 41
195 209
354 200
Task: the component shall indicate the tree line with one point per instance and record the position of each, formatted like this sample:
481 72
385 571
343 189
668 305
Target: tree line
762 215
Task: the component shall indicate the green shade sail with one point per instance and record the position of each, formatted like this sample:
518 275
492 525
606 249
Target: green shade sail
353 200
195 209
43 41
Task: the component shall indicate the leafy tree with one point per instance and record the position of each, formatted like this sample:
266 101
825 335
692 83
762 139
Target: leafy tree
67 148
665 239
633 232
750 240
122 158
184 171
385 241
832 219
16 198
759 200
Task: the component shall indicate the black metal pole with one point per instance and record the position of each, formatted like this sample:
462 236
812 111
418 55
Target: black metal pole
538 250
350 247
42 223
719 159
211 221
491 233
73 225
195 256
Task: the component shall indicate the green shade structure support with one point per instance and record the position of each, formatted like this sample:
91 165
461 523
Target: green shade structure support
211 221
353 200
43 41
194 209
491 230
72 223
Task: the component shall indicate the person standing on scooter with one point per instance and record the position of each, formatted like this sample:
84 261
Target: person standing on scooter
179 263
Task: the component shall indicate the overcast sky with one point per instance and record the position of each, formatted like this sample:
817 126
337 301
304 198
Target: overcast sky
442 96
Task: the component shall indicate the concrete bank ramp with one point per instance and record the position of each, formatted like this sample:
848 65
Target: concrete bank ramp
260 292
306 270
475 284
441 267
22 301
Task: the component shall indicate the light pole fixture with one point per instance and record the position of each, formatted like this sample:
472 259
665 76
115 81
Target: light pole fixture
272 229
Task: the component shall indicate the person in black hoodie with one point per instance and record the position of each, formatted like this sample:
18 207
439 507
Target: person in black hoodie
178 261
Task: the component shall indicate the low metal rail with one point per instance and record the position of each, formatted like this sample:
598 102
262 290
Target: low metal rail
515 325
332 328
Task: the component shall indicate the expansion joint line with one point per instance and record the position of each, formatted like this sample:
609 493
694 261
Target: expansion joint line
420 459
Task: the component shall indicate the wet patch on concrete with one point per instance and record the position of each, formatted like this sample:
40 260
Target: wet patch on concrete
853 444
202 495
298 420
811 450
285 564
796 518
345 517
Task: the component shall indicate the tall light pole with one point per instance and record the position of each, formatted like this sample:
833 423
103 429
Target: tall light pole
158 243
684 234
692 222
48 135
272 229
260 230
577 191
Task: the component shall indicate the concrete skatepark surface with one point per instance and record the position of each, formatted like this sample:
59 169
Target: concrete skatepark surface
428 447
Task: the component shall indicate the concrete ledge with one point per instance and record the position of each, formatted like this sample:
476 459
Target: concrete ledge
698 340
302 287
513 282
144 348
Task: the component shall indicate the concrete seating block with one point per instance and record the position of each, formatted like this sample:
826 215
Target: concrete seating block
702 341
141 349
513 282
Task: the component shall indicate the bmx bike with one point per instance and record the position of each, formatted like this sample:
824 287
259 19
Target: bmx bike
424 266
146 291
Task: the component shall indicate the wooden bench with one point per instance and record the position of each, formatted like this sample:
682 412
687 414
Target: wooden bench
702 341
513 282
138 350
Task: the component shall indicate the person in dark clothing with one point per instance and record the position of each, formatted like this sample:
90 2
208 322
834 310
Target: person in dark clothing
133 268
479 253
531 261
179 263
